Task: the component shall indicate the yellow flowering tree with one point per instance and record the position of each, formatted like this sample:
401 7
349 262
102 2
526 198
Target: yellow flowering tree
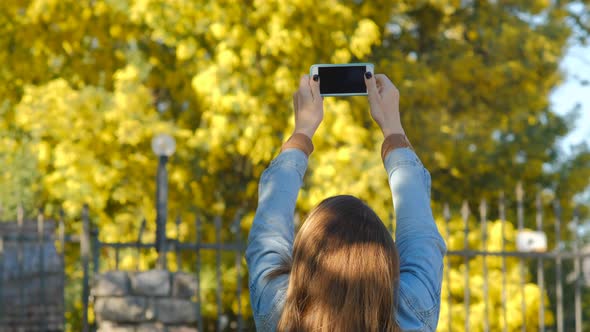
219 77
87 84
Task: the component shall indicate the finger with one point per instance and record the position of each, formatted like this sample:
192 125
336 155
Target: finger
384 82
371 84
315 88
387 87
304 88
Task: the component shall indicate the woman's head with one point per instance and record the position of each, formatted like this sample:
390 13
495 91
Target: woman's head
344 271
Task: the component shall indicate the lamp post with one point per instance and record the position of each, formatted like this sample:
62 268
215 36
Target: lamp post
163 146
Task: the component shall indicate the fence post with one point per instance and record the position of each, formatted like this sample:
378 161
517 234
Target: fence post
176 245
447 218
558 273
41 244
139 236
85 252
61 233
540 272
465 215
95 247
236 229
218 272
62 245
161 212
198 274
483 214
520 222
117 256
578 291
20 214
502 212
1 280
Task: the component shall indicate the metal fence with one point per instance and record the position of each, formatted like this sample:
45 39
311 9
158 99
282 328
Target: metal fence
222 320
565 263
91 256
557 272
31 275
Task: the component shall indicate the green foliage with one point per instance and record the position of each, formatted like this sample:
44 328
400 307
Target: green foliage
20 182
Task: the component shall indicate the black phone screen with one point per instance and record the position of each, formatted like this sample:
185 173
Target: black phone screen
342 79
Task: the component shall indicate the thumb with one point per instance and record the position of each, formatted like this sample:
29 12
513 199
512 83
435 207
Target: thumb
314 83
371 84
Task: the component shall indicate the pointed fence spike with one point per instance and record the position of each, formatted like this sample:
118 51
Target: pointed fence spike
61 232
465 212
577 270
20 214
558 265
446 212
40 223
502 206
483 214
483 209
177 252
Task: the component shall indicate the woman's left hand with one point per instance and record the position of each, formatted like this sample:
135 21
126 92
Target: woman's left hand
309 106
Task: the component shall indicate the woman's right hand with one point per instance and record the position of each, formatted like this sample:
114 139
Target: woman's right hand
308 105
384 102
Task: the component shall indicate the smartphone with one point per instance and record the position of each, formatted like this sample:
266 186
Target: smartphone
342 79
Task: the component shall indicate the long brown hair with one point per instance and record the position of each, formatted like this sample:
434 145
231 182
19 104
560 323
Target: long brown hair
344 272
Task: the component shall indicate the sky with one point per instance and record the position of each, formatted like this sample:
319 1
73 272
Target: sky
575 66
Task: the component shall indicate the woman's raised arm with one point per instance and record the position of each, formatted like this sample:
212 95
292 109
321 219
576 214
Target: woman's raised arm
420 246
270 241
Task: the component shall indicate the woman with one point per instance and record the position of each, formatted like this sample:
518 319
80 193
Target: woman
342 271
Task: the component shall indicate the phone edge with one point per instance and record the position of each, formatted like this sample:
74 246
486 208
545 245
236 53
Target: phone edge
317 65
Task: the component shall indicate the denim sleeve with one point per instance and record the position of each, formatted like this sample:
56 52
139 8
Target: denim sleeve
419 243
270 241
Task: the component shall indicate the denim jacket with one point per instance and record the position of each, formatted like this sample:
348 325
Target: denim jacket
420 246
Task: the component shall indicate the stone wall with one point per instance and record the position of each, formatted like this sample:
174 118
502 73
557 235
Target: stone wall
155 300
